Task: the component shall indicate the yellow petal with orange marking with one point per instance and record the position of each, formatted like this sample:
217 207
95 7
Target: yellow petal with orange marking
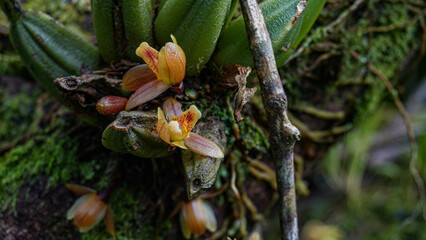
149 55
163 127
188 119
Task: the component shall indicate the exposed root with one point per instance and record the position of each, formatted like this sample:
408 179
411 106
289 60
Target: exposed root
263 172
233 180
255 215
319 136
319 113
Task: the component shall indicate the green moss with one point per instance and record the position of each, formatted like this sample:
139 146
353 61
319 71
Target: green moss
16 115
43 152
52 153
46 154
225 115
252 137
386 50
41 155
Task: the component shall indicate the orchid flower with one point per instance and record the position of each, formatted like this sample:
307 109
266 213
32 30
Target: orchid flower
195 217
174 127
162 70
89 210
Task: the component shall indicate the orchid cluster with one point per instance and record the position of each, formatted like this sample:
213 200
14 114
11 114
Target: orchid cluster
163 70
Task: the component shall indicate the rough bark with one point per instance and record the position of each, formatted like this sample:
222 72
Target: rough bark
283 133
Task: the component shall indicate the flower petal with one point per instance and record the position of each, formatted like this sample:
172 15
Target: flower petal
176 60
195 216
203 146
138 76
171 63
175 131
211 218
183 227
89 213
188 119
172 107
146 93
79 190
164 72
163 127
71 211
149 55
109 221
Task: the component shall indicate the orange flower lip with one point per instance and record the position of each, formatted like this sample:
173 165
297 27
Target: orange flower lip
162 70
174 127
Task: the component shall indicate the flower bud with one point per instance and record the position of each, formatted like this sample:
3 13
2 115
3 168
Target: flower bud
111 105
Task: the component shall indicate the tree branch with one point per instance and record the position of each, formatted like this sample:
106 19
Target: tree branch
283 133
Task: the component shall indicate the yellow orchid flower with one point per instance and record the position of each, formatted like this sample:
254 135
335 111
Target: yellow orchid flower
174 127
162 70
89 210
